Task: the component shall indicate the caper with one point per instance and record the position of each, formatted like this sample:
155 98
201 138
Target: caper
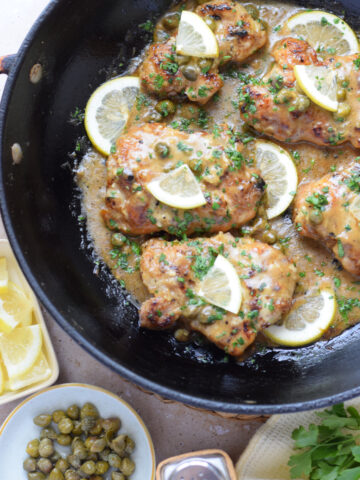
62 465
77 428
269 237
162 150
32 448
127 466
58 415
190 72
301 103
80 452
72 475
341 94
114 460
65 425
29 464
117 476
74 461
48 432
152 116
286 95
56 474
55 457
130 445
96 477
252 11
205 64
87 423
165 107
92 456
316 217
101 467
36 476
42 420
97 429
63 439
160 35
89 442
343 110
111 424
73 412
88 467
182 335
119 444
105 454
264 25
211 22
182 59
44 465
189 111
46 447
89 410
98 445
171 20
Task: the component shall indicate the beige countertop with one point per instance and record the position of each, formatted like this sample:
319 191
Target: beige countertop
175 428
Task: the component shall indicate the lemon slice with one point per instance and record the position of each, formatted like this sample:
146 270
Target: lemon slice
178 188
355 208
15 308
107 111
195 38
38 373
326 33
4 275
280 175
319 84
309 318
221 286
20 349
2 380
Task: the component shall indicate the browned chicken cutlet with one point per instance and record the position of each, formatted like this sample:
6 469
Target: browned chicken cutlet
172 272
166 74
325 211
232 190
276 107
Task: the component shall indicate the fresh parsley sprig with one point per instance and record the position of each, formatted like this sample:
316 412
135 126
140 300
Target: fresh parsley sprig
329 451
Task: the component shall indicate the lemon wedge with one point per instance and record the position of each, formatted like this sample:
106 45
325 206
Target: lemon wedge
355 208
280 175
15 308
20 349
221 286
309 318
319 84
4 275
326 33
108 109
195 38
39 372
178 188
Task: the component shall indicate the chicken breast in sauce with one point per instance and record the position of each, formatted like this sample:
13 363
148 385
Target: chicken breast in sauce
172 272
232 189
276 107
328 210
166 74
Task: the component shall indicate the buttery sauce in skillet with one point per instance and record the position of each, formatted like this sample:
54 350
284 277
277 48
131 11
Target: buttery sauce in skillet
315 265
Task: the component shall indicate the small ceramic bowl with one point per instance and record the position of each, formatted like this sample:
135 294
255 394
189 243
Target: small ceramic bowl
19 428
16 276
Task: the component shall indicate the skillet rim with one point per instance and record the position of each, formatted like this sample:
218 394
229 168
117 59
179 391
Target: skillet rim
126 373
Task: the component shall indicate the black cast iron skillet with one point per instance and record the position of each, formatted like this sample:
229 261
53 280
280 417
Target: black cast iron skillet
79 43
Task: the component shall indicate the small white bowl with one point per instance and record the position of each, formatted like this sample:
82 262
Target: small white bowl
16 276
19 428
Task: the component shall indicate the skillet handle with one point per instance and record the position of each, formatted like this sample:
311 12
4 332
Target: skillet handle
6 62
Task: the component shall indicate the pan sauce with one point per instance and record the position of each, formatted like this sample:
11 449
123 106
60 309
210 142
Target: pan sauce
315 265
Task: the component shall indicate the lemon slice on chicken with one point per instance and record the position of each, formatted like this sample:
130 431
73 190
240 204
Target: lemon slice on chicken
108 109
307 321
326 33
319 84
221 286
178 188
195 38
280 175
20 350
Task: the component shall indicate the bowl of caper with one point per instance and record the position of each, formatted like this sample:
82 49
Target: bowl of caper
72 432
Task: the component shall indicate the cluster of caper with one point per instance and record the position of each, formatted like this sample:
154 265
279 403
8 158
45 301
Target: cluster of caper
344 108
95 447
294 98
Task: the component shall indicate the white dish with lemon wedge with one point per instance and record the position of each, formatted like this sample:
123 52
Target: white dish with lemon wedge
37 367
